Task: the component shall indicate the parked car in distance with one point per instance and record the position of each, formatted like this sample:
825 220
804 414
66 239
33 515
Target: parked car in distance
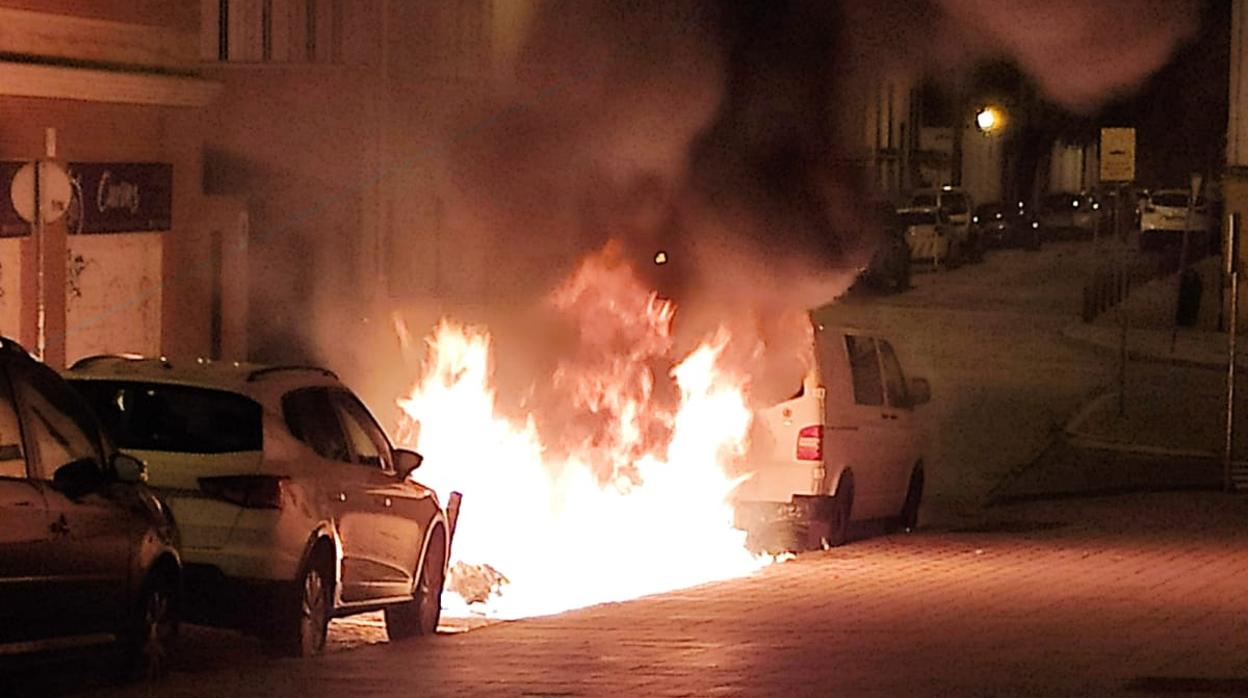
928 236
847 446
1164 218
88 554
955 206
1002 225
889 267
293 505
1066 214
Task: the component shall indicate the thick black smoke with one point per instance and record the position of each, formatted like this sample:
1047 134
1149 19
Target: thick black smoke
731 134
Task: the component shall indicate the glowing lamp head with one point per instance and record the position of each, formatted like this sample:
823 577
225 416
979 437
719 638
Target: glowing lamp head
989 119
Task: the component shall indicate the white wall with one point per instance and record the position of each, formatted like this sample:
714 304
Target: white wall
113 294
11 288
982 158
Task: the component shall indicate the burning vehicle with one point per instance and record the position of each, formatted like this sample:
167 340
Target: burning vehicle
613 478
846 446
292 504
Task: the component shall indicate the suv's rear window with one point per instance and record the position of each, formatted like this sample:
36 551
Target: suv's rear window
909 218
1172 200
1058 202
178 418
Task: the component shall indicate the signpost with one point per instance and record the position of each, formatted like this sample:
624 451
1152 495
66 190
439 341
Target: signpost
1118 166
1232 274
40 193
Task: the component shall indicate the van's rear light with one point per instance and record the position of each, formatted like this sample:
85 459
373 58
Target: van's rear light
810 443
251 491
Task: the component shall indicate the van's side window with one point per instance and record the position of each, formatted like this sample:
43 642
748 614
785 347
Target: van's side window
894 379
868 389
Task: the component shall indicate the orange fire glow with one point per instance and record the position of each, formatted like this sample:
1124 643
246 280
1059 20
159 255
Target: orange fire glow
635 498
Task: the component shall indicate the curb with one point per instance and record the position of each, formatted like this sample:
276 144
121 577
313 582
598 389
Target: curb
1080 439
1069 333
1076 420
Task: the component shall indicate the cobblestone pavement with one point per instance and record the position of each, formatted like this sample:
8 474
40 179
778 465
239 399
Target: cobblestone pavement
1132 595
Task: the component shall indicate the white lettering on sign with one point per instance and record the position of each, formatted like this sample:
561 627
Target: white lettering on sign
112 195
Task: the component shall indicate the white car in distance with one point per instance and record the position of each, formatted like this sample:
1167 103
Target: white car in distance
1165 217
928 235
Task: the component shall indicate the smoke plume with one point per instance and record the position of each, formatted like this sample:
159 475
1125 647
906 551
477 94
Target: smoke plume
730 135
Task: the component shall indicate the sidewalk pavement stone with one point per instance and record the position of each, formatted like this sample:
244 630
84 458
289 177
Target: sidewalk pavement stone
1083 597
1168 426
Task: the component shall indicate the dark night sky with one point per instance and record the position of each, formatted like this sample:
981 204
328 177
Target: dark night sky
1180 114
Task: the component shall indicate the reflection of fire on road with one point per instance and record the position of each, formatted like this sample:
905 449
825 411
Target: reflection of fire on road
631 499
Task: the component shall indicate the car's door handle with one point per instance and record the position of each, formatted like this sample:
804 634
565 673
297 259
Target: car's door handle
60 526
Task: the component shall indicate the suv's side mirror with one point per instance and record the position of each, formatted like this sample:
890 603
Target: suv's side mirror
920 392
129 469
78 478
406 461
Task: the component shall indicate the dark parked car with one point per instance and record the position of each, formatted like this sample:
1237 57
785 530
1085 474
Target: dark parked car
1000 225
889 267
1067 215
88 555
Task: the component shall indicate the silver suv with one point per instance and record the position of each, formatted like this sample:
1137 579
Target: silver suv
293 506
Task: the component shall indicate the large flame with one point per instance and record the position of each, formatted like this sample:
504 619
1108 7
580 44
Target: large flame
636 503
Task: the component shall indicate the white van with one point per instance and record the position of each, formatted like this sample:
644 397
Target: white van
846 447
955 205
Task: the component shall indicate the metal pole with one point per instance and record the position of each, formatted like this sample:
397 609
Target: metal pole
41 343
1232 268
1193 192
1122 307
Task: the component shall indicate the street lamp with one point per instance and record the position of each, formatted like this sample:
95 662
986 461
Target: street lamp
989 119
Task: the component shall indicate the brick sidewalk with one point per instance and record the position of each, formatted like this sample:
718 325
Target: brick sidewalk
1086 597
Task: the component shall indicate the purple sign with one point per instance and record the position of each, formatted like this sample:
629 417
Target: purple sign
120 197
108 197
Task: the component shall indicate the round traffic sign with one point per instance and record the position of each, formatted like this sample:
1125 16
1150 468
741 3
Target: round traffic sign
55 191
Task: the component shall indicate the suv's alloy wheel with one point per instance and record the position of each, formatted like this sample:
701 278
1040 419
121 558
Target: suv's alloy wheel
421 615
303 625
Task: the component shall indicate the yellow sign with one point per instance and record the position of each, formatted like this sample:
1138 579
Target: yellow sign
1117 154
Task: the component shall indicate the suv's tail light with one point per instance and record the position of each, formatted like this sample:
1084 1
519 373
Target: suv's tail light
810 443
251 491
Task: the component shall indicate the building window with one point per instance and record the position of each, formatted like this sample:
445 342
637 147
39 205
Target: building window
271 31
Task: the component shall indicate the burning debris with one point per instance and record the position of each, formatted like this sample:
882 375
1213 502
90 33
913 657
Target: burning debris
475 584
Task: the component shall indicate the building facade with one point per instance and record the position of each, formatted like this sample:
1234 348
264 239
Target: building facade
332 127
108 91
